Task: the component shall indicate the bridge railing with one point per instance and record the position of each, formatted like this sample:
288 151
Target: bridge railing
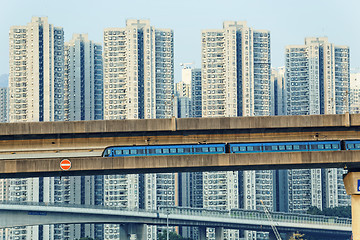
260 215
233 213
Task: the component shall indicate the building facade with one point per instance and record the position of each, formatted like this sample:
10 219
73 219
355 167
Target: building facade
36 93
138 84
317 82
36 76
138 71
83 80
236 82
354 92
4 104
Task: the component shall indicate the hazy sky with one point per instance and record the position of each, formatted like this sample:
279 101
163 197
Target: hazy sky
289 21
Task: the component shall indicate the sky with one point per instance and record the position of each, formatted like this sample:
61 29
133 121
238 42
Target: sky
288 21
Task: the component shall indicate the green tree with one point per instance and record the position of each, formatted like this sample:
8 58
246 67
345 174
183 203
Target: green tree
344 212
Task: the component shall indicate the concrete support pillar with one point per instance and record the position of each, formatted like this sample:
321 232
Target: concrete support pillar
130 229
124 232
352 186
202 233
219 233
139 230
355 212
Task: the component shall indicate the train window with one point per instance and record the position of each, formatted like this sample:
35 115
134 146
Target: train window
281 147
197 149
303 146
151 151
180 150
157 150
133 151
335 146
351 145
235 149
205 149
296 147
126 152
140 151
269 148
317 146
243 149
257 148
187 150
166 150
118 152
327 146
250 148
172 150
219 149
357 145
289 147
212 149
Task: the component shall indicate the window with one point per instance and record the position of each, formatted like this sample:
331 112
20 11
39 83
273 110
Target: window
235 149
204 149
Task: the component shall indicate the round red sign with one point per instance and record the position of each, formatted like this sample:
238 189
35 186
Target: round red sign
65 164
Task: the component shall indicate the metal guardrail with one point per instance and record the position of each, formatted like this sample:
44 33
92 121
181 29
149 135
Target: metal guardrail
277 217
259 215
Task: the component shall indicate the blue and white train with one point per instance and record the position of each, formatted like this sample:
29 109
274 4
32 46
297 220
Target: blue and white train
222 148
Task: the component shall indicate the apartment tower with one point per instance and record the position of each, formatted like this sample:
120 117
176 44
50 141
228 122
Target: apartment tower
317 78
138 84
83 79
236 82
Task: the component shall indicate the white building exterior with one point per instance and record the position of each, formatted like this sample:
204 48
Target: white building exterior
236 82
36 92
354 92
4 104
83 79
36 78
138 84
317 82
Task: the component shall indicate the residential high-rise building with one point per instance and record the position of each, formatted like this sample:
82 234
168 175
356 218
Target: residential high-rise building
236 82
354 92
183 100
138 71
83 79
138 84
36 77
317 82
196 93
317 78
4 104
278 94
36 89
36 93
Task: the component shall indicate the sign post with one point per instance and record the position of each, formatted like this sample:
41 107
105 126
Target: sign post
65 164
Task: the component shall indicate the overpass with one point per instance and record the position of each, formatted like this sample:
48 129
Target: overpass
56 138
26 214
35 149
